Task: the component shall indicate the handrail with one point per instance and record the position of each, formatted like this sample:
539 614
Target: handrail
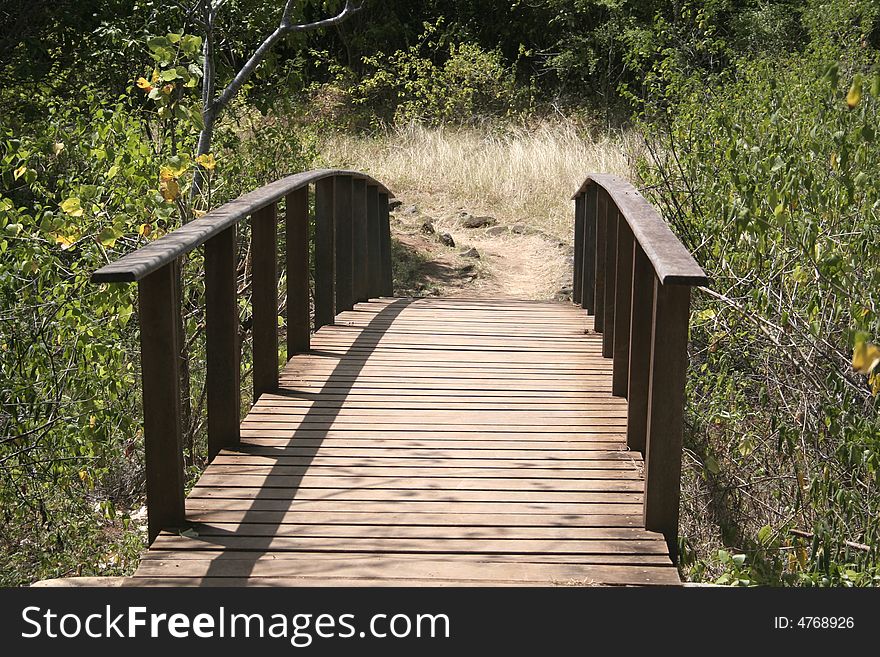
352 263
134 266
634 276
672 262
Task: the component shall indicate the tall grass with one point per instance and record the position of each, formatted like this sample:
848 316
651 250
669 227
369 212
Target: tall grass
518 174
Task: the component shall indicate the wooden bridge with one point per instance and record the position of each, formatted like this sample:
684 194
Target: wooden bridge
416 441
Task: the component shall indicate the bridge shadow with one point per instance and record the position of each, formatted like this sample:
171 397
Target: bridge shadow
339 383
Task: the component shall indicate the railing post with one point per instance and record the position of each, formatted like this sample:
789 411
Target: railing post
639 349
666 410
374 240
387 282
296 228
359 239
588 284
601 236
577 274
325 274
160 376
622 308
264 299
342 215
223 378
611 223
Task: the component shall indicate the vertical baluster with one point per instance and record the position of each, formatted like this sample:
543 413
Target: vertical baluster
577 274
359 239
343 225
588 289
296 228
325 278
160 376
611 223
374 240
639 349
223 378
601 237
622 308
666 410
264 299
387 283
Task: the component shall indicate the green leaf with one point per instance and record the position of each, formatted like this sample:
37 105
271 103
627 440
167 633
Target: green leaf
72 207
712 465
168 75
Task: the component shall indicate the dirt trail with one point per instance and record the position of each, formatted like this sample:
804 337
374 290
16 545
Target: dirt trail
513 261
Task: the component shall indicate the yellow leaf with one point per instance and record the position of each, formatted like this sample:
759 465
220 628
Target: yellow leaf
169 189
72 207
874 380
92 421
167 89
834 160
865 358
57 147
20 171
83 475
66 241
145 230
144 84
207 161
154 78
855 92
199 213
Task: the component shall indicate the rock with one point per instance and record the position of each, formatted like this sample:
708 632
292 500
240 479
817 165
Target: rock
410 210
496 231
470 253
466 269
470 221
428 228
564 294
394 203
446 239
520 229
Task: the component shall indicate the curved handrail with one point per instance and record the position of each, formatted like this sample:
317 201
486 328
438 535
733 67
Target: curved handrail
673 263
148 259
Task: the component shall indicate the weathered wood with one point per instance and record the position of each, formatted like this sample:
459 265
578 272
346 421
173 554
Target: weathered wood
503 447
342 215
264 299
578 246
666 410
374 244
588 272
160 377
602 215
325 249
610 291
671 261
359 240
166 249
622 309
387 287
639 350
296 224
222 379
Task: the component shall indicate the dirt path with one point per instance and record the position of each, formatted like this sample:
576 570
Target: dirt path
492 260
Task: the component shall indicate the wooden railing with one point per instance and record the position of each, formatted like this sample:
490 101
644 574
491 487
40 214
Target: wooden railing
634 276
352 252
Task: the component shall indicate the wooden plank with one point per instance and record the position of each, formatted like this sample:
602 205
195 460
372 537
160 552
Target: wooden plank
342 217
666 410
387 287
374 248
578 247
222 380
622 310
325 250
360 287
160 380
264 299
612 222
640 350
602 215
296 225
589 268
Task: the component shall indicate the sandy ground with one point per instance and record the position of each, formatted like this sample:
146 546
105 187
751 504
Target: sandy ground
527 265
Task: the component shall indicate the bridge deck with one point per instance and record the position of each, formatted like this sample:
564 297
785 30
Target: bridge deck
427 442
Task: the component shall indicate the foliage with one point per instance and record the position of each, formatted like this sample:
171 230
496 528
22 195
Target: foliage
767 170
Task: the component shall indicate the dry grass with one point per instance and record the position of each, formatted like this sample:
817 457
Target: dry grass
519 175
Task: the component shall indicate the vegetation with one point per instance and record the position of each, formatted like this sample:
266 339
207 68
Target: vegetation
752 124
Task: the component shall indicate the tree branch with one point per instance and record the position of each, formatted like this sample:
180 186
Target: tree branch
284 28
